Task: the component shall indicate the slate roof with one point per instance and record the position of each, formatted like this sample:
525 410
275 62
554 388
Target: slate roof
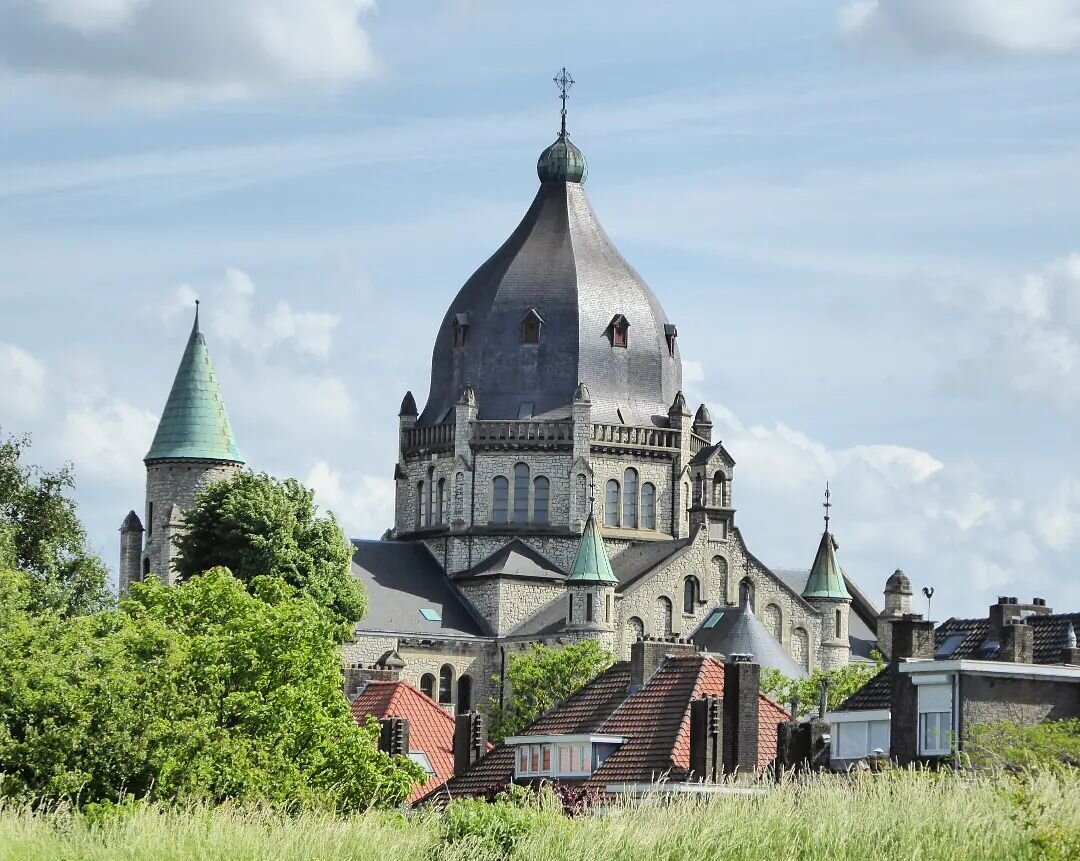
591 563
875 694
1047 633
194 425
655 721
515 559
402 578
739 632
431 728
639 559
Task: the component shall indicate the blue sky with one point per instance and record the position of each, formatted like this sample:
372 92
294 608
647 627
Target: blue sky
861 216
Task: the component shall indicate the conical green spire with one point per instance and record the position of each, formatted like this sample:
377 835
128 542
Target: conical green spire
826 580
591 563
194 425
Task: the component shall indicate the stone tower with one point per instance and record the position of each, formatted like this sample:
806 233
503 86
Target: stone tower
591 585
827 593
897 605
193 447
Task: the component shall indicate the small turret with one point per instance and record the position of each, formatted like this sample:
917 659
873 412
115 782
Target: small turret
897 606
703 423
131 541
591 584
827 593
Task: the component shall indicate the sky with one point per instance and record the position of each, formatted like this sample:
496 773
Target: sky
861 215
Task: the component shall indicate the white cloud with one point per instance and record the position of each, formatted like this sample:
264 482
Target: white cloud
992 27
167 50
364 504
228 315
1057 520
108 439
22 391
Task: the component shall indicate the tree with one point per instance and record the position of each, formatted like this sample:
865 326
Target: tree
257 526
41 535
543 677
843 682
205 691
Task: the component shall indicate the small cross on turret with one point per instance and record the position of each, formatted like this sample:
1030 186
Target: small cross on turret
564 82
827 505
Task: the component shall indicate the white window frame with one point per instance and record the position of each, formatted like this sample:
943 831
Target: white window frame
935 709
578 749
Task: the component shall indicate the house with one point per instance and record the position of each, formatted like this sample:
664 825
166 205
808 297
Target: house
670 713
1019 664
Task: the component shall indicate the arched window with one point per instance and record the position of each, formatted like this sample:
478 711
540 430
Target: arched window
611 503
440 501
541 494
521 493
420 512
427 685
839 624
633 631
500 498
648 506
629 499
530 327
429 497
718 489
720 564
690 595
663 621
746 593
446 684
800 648
464 693
773 620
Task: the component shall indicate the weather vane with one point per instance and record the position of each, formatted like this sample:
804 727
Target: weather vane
827 505
564 82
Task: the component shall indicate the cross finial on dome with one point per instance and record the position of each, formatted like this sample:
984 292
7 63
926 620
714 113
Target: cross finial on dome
564 82
827 505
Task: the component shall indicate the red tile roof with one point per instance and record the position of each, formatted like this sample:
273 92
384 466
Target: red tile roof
655 721
431 728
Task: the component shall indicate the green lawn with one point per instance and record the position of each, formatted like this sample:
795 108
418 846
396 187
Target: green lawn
898 815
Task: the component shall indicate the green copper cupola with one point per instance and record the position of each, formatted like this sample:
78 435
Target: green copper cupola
591 564
562 161
826 579
194 425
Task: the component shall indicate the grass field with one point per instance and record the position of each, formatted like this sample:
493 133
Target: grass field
899 815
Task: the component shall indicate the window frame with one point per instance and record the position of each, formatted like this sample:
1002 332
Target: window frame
628 515
647 513
611 510
532 328
691 591
430 694
495 500
542 515
446 685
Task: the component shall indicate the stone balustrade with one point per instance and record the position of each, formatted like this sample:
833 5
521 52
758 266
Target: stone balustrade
428 440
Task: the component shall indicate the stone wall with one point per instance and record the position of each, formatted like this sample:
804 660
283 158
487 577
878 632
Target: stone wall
506 602
989 699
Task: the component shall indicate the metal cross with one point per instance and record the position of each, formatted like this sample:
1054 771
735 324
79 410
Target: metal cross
827 505
564 82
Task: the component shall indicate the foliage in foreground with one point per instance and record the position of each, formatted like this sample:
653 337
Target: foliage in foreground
1007 744
899 815
42 537
843 682
542 677
202 691
258 526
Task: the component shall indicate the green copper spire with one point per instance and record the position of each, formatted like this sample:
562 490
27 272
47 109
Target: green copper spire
194 425
591 563
826 580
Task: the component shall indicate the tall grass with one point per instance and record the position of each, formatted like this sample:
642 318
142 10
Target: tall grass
892 816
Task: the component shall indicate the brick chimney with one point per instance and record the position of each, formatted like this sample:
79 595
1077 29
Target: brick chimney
470 740
394 736
646 656
706 733
1017 643
742 686
1006 609
912 637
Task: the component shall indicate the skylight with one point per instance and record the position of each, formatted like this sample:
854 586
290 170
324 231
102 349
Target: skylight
430 614
950 645
712 621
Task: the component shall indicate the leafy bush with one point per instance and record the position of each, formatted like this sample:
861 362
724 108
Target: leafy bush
1006 744
497 826
843 682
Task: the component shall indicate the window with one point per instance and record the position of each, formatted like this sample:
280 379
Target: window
500 498
949 645
619 330
458 328
419 504
429 497
718 489
530 327
935 719
534 760
588 606
521 493
431 614
629 505
146 567
746 593
607 609
714 619
648 506
427 685
839 625
446 684
149 518
464 694
690 595
859 739
611 503
633 631
440 501
541 492
670 333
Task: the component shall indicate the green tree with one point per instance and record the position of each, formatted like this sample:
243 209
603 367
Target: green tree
40 535
257 526
843 682
203 691
541 678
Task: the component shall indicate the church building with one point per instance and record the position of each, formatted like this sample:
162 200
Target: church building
556 484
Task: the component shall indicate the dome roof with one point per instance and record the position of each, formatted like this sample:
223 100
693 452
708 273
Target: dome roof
898 582
555 306
562 162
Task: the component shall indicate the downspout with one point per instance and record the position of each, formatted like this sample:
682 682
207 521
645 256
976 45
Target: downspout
956 720
502 676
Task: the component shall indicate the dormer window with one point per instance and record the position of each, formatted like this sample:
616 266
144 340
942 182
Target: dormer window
618 331
670 333
530 327
459 326
561 755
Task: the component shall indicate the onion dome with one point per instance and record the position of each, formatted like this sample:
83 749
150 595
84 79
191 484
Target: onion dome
562 162
194 425
898 582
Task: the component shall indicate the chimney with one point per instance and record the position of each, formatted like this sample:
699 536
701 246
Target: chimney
646 656
1017 643
706 732
912 637
1070 654
742 686
394 736
470 740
